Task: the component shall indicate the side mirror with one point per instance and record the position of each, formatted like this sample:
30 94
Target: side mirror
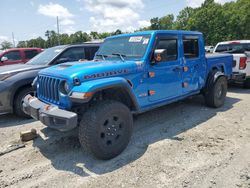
62 60
158 55
4 59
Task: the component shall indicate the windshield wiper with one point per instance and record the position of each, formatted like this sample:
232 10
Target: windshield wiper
102 55
120 55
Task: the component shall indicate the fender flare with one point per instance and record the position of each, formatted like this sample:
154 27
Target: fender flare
212 78
16 88
95 86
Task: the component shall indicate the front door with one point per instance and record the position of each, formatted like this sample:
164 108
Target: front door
14 57
194 66
165 77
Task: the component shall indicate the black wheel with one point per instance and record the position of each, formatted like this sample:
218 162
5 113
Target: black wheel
215 96
105 129
247 83
18 101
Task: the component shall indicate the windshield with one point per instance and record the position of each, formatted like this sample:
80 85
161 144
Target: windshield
233 48
128 47
46 56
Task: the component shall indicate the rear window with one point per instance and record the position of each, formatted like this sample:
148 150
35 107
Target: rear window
191 48
29 54
233 48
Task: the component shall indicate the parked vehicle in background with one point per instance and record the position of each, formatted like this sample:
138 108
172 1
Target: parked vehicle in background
15 80
131 73
18 55
241 52
209 49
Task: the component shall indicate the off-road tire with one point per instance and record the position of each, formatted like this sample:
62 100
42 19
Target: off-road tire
246 83
105 129
18 100
215 96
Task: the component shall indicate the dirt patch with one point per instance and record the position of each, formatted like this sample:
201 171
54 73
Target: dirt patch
181 145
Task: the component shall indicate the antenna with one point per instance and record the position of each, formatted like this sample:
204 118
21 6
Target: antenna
13 39
58 34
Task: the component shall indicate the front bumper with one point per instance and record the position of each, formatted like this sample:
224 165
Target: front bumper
50 115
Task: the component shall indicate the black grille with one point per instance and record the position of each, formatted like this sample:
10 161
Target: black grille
49 89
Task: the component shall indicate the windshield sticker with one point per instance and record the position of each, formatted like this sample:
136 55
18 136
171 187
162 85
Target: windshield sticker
145 41
135 39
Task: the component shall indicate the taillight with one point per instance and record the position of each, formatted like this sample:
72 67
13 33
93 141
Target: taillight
243 63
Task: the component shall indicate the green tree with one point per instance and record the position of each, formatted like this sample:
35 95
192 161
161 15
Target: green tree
183 19
6 45
155 25
166 22
22 44
117 32
94 35
210 20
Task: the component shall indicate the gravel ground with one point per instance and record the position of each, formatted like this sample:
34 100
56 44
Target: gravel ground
180 145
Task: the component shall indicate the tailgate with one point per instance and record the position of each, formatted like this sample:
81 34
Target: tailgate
236 68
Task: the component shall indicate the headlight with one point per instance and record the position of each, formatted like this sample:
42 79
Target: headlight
5 76
64 88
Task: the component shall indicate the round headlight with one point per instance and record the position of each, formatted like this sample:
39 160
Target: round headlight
66 87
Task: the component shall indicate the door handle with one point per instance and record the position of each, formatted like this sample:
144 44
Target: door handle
177 69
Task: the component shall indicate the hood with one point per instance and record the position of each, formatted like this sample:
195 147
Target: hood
90 70
19 68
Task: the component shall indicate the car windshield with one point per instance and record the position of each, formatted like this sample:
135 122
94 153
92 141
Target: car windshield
46 56
125 48
233 48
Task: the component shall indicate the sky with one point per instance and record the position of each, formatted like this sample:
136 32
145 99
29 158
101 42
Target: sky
28 19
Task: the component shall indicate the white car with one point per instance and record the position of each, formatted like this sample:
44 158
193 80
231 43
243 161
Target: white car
209 49
241 52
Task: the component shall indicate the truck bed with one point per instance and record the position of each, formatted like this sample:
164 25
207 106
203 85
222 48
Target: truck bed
223 62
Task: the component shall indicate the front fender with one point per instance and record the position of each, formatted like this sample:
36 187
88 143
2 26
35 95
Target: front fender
94 86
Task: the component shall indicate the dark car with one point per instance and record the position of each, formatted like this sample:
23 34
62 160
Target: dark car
18 55
15 80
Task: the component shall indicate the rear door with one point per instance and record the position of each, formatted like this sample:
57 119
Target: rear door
14 57
29 54
194 63
165 77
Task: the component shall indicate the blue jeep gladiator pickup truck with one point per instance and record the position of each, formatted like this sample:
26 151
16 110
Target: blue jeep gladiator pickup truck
131 74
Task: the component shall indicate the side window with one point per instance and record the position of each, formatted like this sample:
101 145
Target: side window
90 52
74 54
13 55
170 45
29 54
191 48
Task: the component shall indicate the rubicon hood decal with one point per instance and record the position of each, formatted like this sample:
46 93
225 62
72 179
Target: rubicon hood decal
106 74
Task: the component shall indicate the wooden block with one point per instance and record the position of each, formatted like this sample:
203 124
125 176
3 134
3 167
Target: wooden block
28 135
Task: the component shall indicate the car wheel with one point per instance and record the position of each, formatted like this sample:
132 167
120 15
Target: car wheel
18 101
105 129
216 95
